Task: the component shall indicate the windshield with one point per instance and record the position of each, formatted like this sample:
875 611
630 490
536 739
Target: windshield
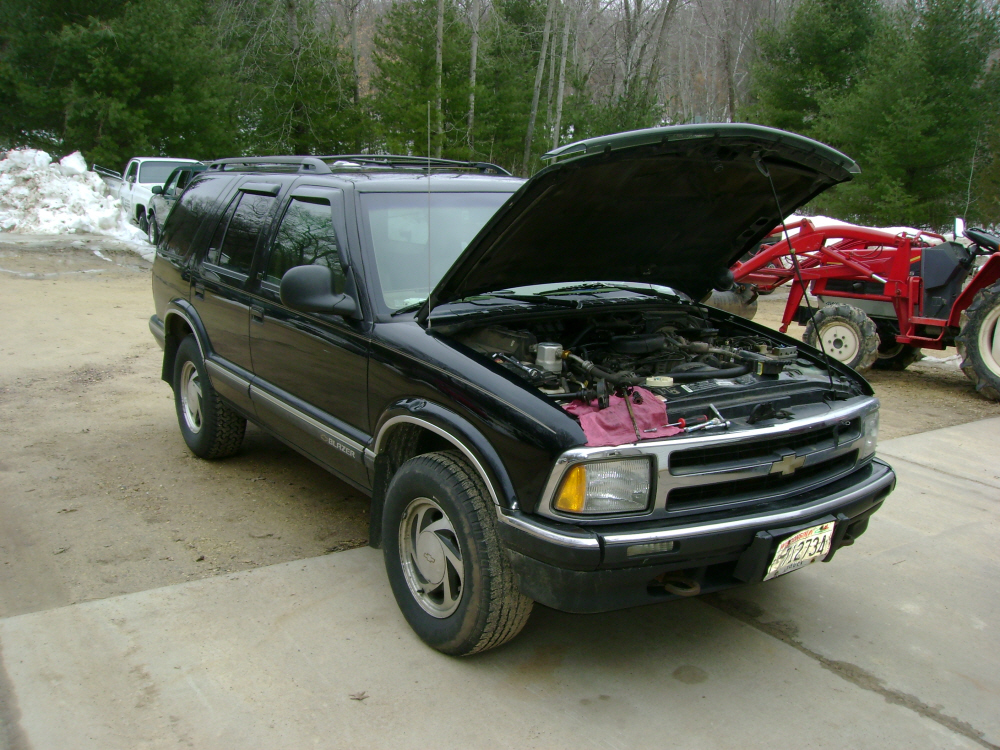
156 172
409 263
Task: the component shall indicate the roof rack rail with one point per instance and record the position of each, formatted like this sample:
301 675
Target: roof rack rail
392 160
320 165
309 164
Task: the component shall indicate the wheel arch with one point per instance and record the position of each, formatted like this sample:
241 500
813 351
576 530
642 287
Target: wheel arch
413 427
179 321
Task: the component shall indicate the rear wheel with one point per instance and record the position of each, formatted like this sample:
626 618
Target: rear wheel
847 333
211 428
893 355
446 566
979 342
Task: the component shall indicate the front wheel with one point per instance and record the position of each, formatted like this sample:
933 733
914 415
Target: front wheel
211 428
847 333
153 233
141 221
979 342
443 556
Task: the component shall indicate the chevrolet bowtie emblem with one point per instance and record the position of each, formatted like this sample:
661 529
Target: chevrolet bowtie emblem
788 464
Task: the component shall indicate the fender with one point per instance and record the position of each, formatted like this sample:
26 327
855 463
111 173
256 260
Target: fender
456 430
986 276
183 309
453 428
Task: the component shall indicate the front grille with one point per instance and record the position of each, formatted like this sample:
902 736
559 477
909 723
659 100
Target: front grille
757 489
750 452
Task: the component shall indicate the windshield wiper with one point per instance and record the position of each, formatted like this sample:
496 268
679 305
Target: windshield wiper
408 308
531 299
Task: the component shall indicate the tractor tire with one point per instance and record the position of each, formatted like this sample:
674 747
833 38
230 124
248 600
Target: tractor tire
895 356
979 342
848 335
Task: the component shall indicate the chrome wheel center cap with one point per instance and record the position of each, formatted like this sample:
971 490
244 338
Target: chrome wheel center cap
430 557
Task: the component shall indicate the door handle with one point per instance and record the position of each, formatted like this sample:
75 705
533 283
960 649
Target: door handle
257 313
199 290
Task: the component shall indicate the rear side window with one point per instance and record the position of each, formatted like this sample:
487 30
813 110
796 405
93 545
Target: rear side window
236 251
306 237
190 212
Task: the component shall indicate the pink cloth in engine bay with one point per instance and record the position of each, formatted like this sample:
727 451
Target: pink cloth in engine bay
613 426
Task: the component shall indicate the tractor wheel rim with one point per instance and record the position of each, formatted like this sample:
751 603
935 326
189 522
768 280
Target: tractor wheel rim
191 397
989 341
840 341
431 557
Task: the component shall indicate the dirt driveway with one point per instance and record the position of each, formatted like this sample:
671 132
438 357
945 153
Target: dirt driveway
98 494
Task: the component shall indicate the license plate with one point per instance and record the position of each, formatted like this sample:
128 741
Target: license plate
808 545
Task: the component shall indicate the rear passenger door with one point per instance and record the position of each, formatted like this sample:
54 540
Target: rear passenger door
219 289
310 369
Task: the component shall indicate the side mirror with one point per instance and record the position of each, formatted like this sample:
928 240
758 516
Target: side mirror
156 189
310 289
959 227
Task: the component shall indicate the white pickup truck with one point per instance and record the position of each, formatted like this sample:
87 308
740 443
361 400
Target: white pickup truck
134 190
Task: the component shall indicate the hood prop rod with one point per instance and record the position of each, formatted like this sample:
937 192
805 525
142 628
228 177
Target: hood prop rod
762 168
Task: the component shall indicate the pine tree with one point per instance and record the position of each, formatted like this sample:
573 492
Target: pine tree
405 79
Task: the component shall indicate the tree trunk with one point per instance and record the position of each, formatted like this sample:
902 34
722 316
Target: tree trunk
562 81
536 92
552 70
298 134
438 68
474 53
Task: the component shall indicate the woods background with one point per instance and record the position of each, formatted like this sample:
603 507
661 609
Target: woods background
909 89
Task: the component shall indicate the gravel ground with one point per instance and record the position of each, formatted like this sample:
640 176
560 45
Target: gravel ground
100 497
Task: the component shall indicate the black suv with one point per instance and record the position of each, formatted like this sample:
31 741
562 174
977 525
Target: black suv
519 373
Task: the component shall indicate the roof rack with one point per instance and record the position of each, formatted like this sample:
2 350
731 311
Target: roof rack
319 164
305 163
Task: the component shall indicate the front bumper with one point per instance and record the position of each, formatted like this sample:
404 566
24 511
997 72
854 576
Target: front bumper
578 569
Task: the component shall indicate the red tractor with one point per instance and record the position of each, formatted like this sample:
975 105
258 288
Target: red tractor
885 296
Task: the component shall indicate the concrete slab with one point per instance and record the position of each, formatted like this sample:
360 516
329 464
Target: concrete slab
892 645
969 451
275 659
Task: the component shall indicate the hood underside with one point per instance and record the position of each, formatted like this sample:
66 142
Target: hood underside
673 206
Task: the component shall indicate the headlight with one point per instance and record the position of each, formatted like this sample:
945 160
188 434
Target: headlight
869 427
617 486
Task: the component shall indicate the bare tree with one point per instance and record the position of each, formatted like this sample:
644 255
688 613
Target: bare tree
438 68
476 17
556 130
536 91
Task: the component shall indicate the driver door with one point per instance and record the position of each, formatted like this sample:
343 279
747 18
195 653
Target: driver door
310 369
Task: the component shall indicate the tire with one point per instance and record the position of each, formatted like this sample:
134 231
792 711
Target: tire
141 221
848 334
893 355
211 428
153 232
979 342
446 566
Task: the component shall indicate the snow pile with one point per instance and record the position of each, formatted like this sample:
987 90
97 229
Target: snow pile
38 196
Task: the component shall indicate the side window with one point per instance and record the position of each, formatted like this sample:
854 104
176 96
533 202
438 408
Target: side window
305 237
240 240
189 214
182 179
133 169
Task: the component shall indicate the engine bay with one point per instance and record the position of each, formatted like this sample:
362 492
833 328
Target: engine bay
707 372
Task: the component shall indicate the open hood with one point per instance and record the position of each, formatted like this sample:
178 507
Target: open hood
674 206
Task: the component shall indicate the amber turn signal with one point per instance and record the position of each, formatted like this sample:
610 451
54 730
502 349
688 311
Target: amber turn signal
573 490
